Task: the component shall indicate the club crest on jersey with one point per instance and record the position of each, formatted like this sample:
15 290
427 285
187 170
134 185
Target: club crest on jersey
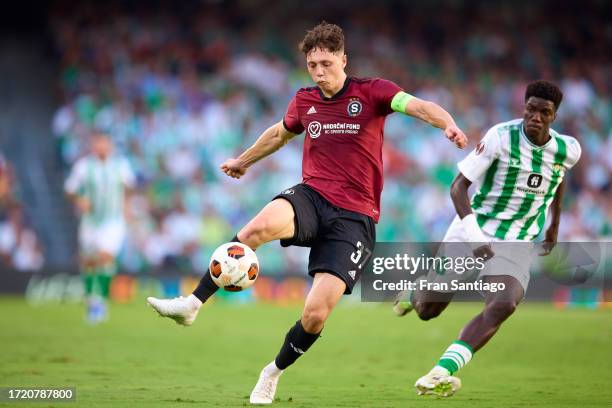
354 108
314 129
557 168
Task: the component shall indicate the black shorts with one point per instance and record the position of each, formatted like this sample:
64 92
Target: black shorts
341 241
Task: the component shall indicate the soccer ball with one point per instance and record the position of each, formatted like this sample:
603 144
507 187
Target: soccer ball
234 266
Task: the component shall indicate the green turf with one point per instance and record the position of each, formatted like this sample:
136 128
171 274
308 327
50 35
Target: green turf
366 358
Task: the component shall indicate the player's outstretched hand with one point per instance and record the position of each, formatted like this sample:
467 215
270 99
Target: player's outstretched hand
456 135
550 240
83 205
234 168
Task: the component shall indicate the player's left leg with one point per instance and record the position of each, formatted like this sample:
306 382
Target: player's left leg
274 221
498 307
326 291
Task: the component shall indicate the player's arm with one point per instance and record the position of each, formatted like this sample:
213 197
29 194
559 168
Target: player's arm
80 202
272 139
461 201
73 187
550 237
431 113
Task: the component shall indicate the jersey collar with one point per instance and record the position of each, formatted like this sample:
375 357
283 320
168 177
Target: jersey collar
338 94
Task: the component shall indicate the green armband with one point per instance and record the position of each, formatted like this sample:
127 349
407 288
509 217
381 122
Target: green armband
400 100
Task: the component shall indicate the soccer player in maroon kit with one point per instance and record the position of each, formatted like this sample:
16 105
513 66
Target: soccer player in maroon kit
334 209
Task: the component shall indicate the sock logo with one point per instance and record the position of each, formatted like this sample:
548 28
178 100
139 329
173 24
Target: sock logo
296 349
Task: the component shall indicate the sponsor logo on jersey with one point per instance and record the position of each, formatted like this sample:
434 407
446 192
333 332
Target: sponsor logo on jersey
534 180
311 110
314 129
354 107
479 148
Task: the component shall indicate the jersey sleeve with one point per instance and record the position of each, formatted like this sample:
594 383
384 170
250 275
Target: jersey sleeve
382 92
291 121
574 151
76 178
480 159
127 175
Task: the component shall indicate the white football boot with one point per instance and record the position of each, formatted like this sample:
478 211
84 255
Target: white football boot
437 383
265 389
182 310
402 304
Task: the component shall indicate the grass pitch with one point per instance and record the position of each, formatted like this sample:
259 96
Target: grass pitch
367 357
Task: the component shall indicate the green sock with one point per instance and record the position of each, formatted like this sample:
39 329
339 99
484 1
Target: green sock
456 356
104 278
88 275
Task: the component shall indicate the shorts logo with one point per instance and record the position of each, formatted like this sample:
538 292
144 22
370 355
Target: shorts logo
480 148
288 191
354 108
352 274
314 129
534 180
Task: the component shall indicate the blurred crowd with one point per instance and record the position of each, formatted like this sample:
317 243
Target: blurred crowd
183 87
19 244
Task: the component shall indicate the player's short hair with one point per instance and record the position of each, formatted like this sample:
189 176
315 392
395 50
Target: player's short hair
545 90
325 36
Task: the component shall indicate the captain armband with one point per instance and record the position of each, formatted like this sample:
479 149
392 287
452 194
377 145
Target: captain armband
400 100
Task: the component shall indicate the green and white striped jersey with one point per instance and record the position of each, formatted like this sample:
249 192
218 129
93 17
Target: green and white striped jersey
103 183
517 179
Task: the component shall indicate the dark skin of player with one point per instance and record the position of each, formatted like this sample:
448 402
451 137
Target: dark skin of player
538 115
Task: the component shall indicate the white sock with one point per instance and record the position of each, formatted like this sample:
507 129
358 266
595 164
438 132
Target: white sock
439 370
273 370
194 301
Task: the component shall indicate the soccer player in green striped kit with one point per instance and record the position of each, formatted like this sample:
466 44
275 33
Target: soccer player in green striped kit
519 166
96 186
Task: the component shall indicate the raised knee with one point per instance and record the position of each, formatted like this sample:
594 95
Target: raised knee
313 319
427 311
500 310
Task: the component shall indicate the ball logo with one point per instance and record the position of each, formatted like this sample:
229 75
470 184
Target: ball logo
534 180
314 129
354 108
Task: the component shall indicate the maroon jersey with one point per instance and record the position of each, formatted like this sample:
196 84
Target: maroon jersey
343 143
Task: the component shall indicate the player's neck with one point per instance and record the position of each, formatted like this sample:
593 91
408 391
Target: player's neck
330 92
539 140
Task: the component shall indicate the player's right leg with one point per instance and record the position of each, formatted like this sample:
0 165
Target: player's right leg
274 221
88 265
